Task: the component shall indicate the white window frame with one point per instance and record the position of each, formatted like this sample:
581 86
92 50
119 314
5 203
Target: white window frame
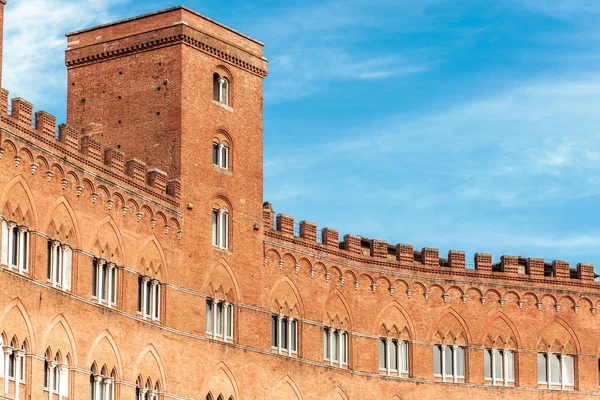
60 261
291 334
454 351
562 368
104 282
397 347
220 228
220 314
15 246
221 158
149 298
336 340
506 368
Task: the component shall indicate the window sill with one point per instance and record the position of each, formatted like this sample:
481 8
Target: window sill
222 170
226 251
226 107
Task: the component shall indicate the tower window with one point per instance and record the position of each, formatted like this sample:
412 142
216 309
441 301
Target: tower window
220 155
15 246
220 228
220 89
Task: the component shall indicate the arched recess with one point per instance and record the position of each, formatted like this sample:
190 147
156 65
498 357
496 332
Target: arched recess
337 394
107 241
450 328
336 312
59 335
14 320
285 299
222 284
220 380
104 351
286 389
151 257
150 365
61 223
499 328
557 330
17 203
396 321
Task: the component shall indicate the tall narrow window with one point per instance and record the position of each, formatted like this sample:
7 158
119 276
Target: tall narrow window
60 259
284 334
335 345
220 89
556 370
219 319
220 155
220 228
104 282
449 362
149 298
15 246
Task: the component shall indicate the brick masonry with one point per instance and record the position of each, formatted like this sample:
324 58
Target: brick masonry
130 179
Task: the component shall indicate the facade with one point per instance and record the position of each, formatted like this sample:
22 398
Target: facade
138 260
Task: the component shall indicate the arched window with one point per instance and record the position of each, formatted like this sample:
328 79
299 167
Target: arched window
15 246
149 298
335 346
59 264
284 334
104 282
219 319
220 154
220 89
102 385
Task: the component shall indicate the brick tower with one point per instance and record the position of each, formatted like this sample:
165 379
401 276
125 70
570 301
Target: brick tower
171 89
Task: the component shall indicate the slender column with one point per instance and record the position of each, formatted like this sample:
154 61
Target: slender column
331 333
443 363
108 387
65 248
548 369
215 306
505 364
225 319
154 300
54 262
97 383
388 361
398 359
289 335
62 370
153 395
340 345
99 285
279 334
7 353
110 267
11 227
562 371
454 364
21 257
493 366
145 299
19 355
51 367
143 393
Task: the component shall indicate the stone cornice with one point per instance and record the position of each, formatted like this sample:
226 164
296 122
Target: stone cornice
180 35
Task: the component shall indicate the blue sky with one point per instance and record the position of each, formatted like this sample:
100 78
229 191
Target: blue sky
470 125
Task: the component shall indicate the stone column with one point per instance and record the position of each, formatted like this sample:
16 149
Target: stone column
388 361
108 387
110 267
99 285
153 300
331 333
62 370
340 344
562 371
7 353
19 356
443 363
215 306
279 333
22 249
225 319
11 227
53 261
493 366
289 335
454 364
548 369
51 367
505 364
145 299
97 384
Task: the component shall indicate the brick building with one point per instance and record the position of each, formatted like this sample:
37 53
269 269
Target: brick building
138 260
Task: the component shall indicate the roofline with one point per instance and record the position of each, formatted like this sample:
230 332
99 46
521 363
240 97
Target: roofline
161 12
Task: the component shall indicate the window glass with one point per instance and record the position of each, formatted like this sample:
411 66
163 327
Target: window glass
224 230
94 278
555 368
224 157
294 343
215 153
148 297
49 266
437 360
326 343
382 353
215 233
274 325
284 333
510 360
487 363
542 368
404 356
334 346
460 362
394 355
499 361
219 310
140 293
229 321
569 370
209 316
344 354
448 361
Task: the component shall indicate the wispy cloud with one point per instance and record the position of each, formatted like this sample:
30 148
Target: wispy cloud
35 43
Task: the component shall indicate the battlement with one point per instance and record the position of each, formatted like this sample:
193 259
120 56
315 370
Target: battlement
403 256
37 137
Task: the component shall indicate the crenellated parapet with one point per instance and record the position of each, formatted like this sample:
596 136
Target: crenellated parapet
380 254
74 158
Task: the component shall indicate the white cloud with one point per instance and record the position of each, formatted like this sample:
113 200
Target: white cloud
34 45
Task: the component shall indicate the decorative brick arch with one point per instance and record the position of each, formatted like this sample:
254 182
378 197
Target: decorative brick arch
284 387
221 282
61 323
143 359
151 252
544 334
337 394
220 373
282 292
381 320
499 315
118 244
51 219
435 326
331 310
20 308
18 182
105 335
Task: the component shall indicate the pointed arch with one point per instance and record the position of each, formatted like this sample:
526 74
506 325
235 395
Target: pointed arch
64 324
274 295
151 350
18 304
106 335
461 321
327 311
337 394
215 281
279 390
544 331
386 311
62 200
488 324
214 384
142 253
108 220
16 182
